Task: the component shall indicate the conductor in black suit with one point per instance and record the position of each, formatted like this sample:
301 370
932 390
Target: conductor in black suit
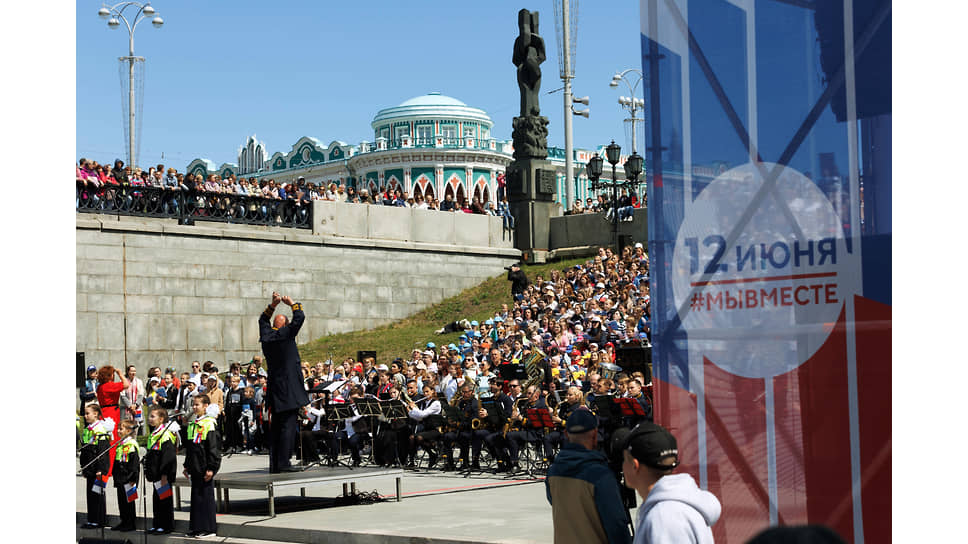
286 393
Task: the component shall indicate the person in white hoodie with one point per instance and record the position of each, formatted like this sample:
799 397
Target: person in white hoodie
674 510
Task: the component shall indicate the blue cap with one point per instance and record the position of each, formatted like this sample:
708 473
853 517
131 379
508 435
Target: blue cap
452 346
477 334
499 319
431 345
489 322
474 323
581 420
91 367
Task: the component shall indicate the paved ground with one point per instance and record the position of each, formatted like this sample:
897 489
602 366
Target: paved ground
436 507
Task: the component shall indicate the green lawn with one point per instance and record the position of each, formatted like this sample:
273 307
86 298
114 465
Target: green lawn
398 339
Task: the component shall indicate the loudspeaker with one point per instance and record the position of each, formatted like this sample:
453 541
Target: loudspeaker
635 359
81 375
360 355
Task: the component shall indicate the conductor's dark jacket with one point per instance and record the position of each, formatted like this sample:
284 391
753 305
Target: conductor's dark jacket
286 391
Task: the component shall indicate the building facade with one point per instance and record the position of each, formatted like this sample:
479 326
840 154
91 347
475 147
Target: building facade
428 145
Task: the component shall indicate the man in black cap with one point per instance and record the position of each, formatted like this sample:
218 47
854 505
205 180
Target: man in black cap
674 509
285 391
586 504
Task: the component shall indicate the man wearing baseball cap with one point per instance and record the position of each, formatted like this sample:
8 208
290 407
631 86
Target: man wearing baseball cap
87 392
674 509
586 504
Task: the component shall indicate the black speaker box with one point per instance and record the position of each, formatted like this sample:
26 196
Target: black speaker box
81 375
635 359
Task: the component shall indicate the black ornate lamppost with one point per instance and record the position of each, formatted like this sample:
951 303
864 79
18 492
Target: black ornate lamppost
633 168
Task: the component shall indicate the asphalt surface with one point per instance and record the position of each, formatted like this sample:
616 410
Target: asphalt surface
436 507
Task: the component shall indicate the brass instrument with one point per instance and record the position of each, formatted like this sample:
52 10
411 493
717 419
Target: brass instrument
477 423
515 408
535 373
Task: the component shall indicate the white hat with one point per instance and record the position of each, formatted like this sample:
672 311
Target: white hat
382 367
638 244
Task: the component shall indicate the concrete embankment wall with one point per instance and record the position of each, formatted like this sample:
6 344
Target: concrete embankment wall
583 234
151 292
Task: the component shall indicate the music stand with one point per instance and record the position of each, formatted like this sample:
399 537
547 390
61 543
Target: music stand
338 414
394 409
452 414
540 418
605 408
494 412
630 407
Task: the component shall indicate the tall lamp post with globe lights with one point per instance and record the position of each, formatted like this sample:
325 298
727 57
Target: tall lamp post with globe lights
115 15
633 168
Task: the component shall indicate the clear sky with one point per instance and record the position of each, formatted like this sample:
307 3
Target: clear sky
218 72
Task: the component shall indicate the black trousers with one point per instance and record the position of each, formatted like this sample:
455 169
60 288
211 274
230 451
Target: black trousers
426 440
474 439
163 510
516 439
282 437
202 516
353 442
308 440
126 509
96 504
497 444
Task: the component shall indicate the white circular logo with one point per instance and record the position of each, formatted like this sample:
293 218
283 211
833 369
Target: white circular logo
760 278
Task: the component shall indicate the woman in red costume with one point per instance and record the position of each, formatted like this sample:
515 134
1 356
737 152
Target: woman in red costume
108 394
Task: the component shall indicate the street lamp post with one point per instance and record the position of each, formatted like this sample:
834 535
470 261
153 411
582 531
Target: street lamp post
115 15
633 168
631 103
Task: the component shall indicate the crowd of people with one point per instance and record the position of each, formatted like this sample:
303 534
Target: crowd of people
570 325
626 204
538 377
98 187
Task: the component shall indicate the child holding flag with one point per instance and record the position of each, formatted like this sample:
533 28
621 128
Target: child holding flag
96 440
160 464
127 470
202 460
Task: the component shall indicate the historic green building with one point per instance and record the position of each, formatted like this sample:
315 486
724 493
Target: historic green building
428 145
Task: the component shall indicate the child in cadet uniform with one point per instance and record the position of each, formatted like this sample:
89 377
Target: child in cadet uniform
127 470
160 465
202 461
96 440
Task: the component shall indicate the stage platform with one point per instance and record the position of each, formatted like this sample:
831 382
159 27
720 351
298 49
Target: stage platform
283 482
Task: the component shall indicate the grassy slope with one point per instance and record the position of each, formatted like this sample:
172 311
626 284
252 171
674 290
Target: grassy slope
399 338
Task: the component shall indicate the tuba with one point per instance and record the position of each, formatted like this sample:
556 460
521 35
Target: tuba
535 373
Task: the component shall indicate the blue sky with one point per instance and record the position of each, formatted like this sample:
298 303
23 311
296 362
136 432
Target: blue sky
288 69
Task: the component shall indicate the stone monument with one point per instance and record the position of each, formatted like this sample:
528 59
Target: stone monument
530 177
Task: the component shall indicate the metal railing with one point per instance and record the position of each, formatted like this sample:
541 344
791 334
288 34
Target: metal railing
145 201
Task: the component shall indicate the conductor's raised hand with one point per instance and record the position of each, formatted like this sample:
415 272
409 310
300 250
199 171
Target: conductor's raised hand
287 300
276 298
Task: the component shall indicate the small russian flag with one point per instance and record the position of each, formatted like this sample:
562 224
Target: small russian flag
99 485
163 490
131 491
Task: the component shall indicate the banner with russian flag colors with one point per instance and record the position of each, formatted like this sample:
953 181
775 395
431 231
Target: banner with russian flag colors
131 492
768 162
163 490
100 484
